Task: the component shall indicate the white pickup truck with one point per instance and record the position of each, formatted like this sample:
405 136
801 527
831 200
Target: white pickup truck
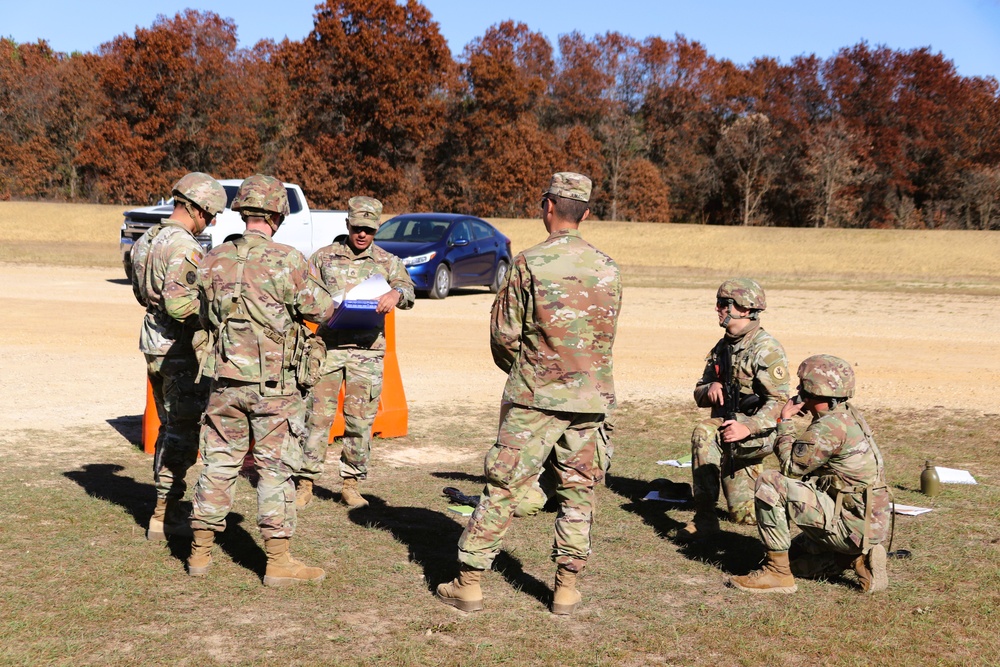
303 229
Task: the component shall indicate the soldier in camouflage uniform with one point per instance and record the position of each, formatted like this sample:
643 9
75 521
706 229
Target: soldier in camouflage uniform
255 295
354 357
731 445
164 264
831 485
553 326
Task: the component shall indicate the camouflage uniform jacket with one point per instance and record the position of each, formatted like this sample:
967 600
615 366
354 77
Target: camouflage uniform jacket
762 370
553 326
256 333
340 269
838 454
164 266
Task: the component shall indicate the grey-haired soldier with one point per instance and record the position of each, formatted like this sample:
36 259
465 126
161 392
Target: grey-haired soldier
164 265
729 447
831 485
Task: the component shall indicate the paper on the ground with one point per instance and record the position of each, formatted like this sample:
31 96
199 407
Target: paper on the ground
369 290
655 495
683 462
953 476
909 510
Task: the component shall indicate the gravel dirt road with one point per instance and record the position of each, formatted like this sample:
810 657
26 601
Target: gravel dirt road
69 339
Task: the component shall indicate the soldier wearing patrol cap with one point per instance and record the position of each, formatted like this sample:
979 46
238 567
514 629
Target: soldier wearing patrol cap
745 383
354 357
552 329
831 484
164 264
255 295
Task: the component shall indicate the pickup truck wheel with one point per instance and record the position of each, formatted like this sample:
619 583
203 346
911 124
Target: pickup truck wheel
442 283
499 277
128 270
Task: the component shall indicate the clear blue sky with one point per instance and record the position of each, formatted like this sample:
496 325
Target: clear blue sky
965 31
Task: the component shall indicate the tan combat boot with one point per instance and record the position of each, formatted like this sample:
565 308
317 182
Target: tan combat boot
303 492
282 569
774 577
350 496
463 592
566 598
167 520
201 553
871 570
704 524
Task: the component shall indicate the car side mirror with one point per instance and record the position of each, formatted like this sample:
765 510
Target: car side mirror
459 242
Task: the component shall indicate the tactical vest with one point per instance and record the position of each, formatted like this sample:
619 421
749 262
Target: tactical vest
856 497
248 350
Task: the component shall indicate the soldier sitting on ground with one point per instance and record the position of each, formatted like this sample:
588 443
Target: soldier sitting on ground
831 485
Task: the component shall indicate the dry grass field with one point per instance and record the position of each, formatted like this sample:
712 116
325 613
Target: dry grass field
79 585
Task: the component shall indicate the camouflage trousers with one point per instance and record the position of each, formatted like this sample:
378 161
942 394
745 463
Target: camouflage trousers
781 501
707 452
544 487
526 439
236 411
360 371
180 402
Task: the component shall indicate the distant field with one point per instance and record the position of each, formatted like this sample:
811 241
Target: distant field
650 254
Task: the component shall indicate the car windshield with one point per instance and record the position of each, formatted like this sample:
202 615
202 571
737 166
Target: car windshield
413 230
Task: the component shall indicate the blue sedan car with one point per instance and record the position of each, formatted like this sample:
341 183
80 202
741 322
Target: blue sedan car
446 250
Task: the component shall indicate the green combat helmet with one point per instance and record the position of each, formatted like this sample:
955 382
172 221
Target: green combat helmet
261 194
744 292
828 376
201 190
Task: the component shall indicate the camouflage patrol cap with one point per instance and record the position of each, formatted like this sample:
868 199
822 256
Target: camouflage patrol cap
261 193
201 190
364 212
570 185
827 375
744 292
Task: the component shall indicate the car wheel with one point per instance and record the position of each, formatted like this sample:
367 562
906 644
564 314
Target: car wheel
442 283
128 270
499 277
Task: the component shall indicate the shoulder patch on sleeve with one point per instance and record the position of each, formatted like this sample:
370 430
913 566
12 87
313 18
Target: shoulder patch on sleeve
190 272
778 372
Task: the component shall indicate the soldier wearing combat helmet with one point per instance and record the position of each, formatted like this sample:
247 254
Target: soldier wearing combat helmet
831 484
552 330
255 294
745 383
354 357
164 264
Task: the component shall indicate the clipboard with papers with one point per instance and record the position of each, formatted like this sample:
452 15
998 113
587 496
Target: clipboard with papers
356 309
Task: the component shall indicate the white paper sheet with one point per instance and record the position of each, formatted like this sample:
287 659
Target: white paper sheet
675 463
953 476
909 510
369 290
655 495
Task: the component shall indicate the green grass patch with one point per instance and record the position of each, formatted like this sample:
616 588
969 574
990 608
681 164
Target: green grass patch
80 585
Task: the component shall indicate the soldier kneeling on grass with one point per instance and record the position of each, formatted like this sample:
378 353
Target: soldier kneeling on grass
831 485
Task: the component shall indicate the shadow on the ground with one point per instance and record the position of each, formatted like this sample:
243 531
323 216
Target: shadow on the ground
731 552
102 481
431 538
128 427
119 281
461 477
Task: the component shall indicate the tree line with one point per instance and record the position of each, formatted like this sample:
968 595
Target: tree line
372 102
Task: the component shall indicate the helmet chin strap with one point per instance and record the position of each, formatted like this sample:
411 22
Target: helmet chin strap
730 317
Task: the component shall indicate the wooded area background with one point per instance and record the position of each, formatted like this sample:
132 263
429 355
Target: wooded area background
372 102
